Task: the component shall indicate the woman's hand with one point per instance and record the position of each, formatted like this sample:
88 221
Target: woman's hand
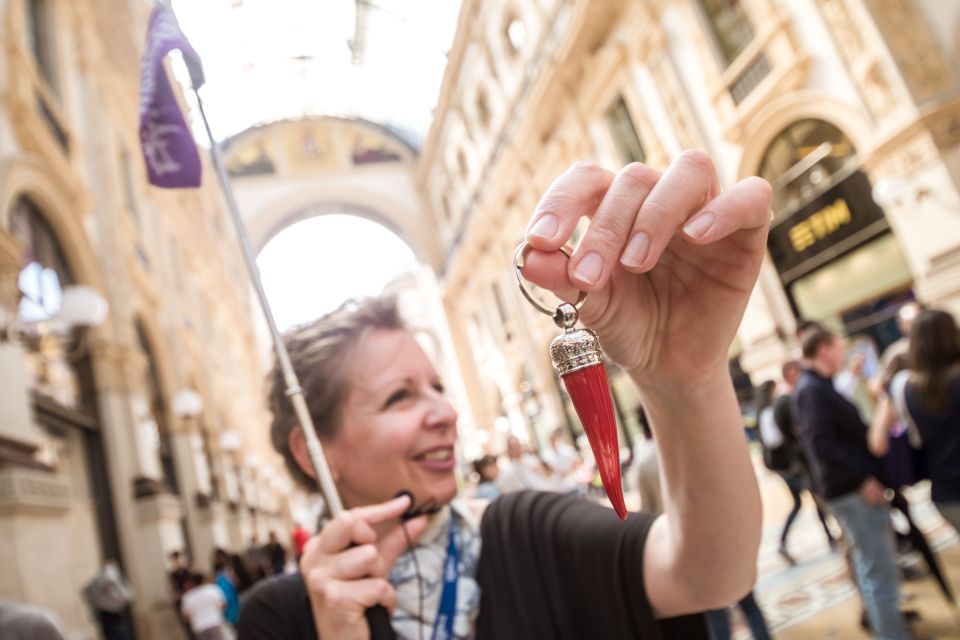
669 262
347 564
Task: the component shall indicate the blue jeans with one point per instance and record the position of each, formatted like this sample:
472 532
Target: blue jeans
868 530
718 621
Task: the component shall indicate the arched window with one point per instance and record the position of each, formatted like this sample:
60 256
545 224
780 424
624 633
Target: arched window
830 241
43 275
803 160
158 411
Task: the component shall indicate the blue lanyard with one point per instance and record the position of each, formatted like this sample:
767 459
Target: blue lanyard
447 613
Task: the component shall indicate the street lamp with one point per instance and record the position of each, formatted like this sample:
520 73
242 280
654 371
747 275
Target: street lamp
81 307
229 441
186 403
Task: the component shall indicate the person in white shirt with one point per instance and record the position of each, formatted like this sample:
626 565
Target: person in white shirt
561 457
522 470
203 605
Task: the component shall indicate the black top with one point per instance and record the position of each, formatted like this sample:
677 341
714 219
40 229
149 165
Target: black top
551 566
940 431
834 437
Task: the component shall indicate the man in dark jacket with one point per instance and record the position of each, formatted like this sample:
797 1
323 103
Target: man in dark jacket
846 475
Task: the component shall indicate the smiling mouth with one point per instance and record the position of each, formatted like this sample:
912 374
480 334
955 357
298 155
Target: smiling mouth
436 455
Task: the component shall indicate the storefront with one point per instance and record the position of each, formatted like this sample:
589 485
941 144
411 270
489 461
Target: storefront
832 245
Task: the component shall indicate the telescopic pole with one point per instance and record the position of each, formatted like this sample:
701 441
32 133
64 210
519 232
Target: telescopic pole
293 391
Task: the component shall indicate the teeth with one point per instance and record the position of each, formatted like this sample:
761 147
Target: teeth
439 454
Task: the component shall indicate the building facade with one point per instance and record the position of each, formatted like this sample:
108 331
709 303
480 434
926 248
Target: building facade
850 108
146 433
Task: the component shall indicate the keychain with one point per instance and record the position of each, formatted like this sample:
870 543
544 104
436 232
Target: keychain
578 359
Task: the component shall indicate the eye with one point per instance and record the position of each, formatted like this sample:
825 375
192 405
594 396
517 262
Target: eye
397 396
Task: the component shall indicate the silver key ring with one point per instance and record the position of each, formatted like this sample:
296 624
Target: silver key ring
518 262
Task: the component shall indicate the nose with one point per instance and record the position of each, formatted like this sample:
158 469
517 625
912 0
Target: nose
441 413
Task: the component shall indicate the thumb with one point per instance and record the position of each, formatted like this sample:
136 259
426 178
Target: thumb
395 542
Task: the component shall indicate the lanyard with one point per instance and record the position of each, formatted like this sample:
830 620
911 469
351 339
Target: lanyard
447 613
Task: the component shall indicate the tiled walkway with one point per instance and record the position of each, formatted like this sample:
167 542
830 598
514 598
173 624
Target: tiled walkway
816 599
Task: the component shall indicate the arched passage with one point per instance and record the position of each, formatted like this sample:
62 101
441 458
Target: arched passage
291 170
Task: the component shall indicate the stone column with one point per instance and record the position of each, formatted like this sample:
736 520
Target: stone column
149 518
205 516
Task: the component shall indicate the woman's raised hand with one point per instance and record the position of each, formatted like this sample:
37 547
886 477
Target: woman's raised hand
668 261
346 567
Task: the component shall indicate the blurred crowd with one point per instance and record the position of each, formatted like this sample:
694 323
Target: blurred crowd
850 427
855 430
208 602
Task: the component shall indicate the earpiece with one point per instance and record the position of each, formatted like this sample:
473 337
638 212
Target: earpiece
427 508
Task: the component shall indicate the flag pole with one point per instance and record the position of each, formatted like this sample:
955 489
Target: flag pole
293 391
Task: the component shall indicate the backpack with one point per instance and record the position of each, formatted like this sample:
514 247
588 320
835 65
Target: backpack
780 459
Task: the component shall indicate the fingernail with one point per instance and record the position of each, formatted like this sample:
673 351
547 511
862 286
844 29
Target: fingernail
699 225
546 227
636 251
589 268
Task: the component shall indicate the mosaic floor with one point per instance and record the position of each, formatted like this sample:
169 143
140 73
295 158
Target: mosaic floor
816 599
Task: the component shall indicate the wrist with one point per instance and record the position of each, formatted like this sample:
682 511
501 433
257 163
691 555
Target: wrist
707 385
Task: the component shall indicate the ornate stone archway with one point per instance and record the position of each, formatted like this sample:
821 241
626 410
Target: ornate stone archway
287 171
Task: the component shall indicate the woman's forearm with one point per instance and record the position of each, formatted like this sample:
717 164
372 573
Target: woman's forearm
878 438
711 498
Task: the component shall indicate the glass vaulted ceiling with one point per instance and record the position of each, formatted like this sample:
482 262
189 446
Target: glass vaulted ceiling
267 60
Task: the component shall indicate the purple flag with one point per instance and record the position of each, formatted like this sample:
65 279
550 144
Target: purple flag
168 148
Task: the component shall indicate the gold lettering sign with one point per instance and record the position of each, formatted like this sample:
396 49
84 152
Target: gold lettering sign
818 226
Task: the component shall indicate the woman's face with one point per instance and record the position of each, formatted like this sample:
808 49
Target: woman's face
397 430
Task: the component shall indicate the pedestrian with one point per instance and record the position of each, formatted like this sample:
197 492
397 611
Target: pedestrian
848 476
488 471
24 622
275 553
179 575
109 596
241 573
255 559
551 564
203 606
931 399
227 582
299 538
718 620
522 470
562 458
782 451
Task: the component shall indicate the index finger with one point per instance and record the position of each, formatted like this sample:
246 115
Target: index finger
355 526
577 192
389 510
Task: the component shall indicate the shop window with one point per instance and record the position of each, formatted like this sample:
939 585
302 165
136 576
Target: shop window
729 27
749 78
624 132
40 39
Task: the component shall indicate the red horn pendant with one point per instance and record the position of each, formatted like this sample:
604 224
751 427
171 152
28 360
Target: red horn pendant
576 355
